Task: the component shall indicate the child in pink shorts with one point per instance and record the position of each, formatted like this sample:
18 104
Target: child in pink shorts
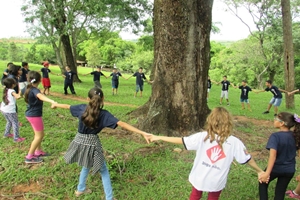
34 98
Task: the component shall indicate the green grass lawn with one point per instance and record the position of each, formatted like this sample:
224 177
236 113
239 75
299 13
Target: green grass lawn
139 171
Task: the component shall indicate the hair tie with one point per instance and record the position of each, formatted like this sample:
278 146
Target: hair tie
297 119
99 94
32 81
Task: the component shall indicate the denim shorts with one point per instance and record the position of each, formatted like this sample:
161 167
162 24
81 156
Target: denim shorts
244 100
139 87
276 101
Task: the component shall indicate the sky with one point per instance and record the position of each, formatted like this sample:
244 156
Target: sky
232 29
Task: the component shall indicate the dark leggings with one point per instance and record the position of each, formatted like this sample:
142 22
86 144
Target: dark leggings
283 179
67 84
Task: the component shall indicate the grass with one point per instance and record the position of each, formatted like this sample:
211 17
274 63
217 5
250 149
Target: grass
138 171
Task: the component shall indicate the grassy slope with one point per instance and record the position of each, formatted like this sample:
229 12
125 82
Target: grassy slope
151 171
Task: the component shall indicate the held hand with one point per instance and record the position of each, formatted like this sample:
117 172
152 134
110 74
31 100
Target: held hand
289 93
263 177
147 137
53 105
154 138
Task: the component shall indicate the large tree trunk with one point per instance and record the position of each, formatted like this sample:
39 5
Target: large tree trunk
288 52
182 45
66 44
60 24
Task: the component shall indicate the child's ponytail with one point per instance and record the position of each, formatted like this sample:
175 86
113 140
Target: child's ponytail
91 115
4 97
297 131
8 83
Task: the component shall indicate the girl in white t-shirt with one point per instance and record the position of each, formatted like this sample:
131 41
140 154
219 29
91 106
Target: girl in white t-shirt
8 109
215 150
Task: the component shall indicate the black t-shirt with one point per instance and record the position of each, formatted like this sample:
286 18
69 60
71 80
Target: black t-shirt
16 88
5 76
139 78
115 76
208 84
69 76
23 77
35 105
106 119
225 85
244 91
45 72
97 75
275 91
285 145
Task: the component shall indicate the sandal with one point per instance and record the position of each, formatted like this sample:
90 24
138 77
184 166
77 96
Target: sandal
86 191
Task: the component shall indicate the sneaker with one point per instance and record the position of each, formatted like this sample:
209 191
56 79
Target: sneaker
10 135
41 154
228 104
266 112
33 160
275 115
293 195
86 191
19 140
289 192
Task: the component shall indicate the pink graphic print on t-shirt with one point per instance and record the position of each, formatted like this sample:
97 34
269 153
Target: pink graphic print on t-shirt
215 154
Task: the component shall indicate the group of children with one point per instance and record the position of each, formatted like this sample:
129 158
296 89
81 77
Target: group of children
245 89
215 147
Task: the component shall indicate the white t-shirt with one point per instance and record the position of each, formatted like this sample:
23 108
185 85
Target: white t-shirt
11 106
212 164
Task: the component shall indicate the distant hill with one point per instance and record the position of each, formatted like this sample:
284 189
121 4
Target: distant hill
225 42
18 40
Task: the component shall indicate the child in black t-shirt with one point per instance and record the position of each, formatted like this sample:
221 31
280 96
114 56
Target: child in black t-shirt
245 89
208 87
6 72
225 87
277 97
140 77
86 148
69 75
282 146
115 80
96 76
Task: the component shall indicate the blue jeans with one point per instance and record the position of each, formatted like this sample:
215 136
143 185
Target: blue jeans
105 181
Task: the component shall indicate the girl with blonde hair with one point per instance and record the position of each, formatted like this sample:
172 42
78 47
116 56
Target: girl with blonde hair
215 150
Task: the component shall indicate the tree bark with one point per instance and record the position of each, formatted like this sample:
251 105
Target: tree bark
288 52
178 104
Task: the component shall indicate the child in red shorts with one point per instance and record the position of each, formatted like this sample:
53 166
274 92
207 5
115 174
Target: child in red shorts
45 78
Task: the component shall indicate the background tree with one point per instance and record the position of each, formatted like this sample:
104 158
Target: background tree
288 55
75 20
178 105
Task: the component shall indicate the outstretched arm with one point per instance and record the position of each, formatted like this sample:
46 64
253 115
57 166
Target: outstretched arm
44 98
135 130
129 77
272 157
260 172
175 140
293 92
57 105
281 90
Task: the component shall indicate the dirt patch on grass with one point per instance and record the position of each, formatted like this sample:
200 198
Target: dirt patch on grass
82 99
19 192
253 121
